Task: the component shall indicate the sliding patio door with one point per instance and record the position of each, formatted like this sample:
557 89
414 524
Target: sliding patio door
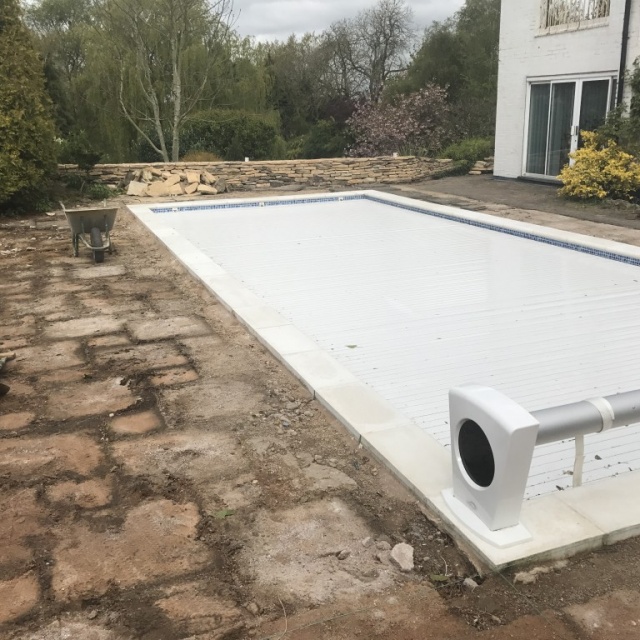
558 111
595 103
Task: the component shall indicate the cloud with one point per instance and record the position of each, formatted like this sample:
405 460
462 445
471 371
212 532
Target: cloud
277 19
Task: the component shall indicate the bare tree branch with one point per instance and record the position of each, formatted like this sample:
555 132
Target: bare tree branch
125 111
374 45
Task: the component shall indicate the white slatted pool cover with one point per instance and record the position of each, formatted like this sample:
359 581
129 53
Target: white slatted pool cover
413 305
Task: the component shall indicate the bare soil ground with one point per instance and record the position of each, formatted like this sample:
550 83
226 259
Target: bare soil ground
163 477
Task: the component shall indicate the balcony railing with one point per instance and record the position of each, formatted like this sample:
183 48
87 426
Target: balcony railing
559 12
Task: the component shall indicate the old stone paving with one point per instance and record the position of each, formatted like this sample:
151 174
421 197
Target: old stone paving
163 477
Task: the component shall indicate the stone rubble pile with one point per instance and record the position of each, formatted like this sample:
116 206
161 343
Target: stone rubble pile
155 183
482 166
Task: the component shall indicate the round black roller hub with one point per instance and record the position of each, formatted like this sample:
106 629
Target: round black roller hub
476 454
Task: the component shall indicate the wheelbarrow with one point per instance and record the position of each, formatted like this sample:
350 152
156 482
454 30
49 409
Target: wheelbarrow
92 227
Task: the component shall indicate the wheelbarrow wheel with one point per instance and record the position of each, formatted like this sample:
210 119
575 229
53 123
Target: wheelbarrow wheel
76 243
96 241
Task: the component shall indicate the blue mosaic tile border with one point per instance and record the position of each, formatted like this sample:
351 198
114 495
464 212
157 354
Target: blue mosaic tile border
250 205
474 223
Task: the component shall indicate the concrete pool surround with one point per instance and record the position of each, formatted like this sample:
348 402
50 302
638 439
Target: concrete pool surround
559 524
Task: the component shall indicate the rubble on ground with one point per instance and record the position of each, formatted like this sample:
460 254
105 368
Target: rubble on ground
482 166
153 183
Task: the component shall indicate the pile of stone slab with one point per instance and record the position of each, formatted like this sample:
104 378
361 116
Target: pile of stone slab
155 183
482 166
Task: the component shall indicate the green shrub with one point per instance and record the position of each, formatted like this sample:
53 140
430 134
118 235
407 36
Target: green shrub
235 152
623 122
200 156
326 139
216 130
295 147
27 156
251 135
97 191
458 168
279 149
74 181
471 150
608 163
77 149
600 170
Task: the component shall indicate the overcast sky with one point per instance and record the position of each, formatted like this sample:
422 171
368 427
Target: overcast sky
271 19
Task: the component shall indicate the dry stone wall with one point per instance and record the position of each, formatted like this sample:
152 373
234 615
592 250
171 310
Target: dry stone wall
209 178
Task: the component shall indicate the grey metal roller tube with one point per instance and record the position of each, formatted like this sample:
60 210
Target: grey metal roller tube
567 421
626 408
580 418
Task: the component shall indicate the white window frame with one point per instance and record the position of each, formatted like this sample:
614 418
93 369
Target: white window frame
579 79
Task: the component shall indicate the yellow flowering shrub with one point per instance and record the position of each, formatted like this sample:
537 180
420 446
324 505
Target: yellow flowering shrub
601 170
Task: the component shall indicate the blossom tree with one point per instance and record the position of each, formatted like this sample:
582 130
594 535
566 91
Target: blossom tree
416 123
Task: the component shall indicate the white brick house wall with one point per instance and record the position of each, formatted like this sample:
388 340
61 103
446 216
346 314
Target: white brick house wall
528 52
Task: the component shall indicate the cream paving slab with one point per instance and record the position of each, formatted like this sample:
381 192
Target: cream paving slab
318 369
164 328
416 459
260 316
231 292
91 272
180 247
612 504
286 340
557 531
360 408
83 327
196 260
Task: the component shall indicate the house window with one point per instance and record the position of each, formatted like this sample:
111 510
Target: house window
559 12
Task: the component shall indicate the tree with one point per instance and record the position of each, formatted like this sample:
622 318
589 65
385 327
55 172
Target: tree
167 52
243 83
295 89
414 123
129 77
340 76
27 153
62 29
439 60
461 55
83 70
373 47
478 26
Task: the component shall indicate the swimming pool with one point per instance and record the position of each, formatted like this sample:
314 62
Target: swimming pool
381 304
